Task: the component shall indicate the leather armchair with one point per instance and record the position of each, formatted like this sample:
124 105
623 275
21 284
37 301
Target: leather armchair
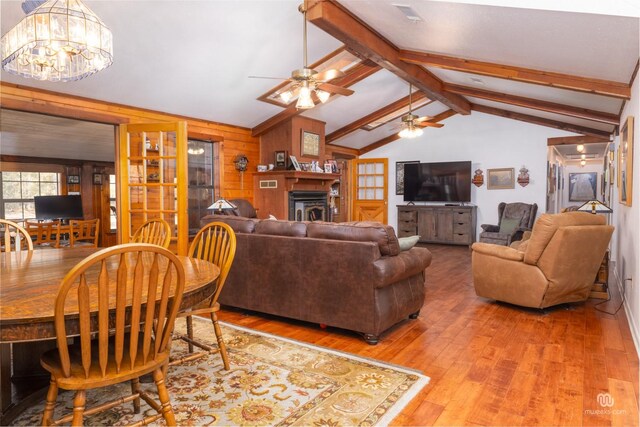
523 213
244 208
557 264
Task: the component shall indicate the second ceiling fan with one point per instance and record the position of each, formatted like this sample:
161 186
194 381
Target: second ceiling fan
309 83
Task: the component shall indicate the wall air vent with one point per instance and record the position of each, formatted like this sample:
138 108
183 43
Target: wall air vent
407 11
268 183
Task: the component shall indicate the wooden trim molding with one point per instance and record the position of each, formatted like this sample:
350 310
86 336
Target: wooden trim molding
365 42
574 140
535 104
520 74
541 121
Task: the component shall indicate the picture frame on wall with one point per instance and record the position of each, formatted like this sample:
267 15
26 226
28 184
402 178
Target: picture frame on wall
97 179
583 186
310 144
625 163
73 179
400 176
501 179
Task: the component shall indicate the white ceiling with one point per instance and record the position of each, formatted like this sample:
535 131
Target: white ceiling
193 58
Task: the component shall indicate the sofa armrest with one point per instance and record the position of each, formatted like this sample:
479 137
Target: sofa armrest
391 269
490 228
504 252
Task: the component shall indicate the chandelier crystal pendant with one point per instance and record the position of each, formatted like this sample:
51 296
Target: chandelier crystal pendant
59 41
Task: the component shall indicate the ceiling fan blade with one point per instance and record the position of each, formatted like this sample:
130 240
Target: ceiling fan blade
431 125
327 75
335 89
421 119
272 78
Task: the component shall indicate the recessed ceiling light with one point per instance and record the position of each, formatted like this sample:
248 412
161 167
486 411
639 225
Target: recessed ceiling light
411 14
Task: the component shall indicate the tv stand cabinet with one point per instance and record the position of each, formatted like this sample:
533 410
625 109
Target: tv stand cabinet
453 225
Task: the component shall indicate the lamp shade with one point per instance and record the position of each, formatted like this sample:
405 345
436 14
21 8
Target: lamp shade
61 40
221 205
595 206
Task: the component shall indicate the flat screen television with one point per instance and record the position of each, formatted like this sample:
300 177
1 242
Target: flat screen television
58 207
437 182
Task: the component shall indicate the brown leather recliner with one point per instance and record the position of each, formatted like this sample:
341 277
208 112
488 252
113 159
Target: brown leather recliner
557 264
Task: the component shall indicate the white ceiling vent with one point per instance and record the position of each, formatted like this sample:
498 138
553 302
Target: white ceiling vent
411 14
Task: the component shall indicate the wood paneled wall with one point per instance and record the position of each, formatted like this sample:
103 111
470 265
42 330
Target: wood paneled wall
233 140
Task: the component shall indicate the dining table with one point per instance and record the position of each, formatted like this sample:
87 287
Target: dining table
29 283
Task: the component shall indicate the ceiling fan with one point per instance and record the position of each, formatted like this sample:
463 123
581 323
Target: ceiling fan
410 127
307 81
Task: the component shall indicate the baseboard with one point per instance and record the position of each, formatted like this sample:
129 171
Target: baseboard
635 334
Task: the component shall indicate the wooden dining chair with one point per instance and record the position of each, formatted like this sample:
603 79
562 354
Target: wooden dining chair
142 300
14 237
45 233
156 231
216 243
84 232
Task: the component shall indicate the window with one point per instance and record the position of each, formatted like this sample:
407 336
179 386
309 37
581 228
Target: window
19 188
201 181
113 219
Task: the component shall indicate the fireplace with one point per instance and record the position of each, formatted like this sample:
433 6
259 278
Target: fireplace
308 206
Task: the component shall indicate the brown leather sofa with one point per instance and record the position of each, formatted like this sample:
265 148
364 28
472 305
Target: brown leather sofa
557 264
347 275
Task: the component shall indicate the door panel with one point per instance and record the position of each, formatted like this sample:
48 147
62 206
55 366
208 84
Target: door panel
369 183
152 171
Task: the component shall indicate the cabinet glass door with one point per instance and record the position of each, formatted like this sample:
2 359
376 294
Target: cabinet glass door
153 179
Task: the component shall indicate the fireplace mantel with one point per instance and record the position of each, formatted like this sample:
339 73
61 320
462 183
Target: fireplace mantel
301 180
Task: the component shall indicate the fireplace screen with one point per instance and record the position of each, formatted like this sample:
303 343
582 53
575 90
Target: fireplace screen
308 206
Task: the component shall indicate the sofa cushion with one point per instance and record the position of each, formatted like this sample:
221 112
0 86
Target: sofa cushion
358 231
282 228
407 243
238 223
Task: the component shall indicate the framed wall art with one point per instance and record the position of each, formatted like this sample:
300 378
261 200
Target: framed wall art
97 179
583 186
501 179
73 179
310 144
625 163
400 176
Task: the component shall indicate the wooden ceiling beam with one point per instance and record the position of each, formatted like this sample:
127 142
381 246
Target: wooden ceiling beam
575 140
520 74
550 107
352 76
541 121
384 141
365 42
376 115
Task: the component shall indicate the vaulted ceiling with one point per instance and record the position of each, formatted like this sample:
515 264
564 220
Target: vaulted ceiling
556 68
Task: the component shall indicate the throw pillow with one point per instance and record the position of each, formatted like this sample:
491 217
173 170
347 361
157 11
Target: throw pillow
508 225
407 243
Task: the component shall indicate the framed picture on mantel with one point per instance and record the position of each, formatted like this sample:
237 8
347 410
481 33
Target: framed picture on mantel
310 144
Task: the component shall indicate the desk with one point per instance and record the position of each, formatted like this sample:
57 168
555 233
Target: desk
30 284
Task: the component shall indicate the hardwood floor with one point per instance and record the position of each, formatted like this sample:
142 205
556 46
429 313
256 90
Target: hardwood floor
493 363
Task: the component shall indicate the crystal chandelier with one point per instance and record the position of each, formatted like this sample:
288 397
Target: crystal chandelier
59 41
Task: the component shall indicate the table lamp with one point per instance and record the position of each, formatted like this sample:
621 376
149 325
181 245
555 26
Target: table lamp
222 205
595 206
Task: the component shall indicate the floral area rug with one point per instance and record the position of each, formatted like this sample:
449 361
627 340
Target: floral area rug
272 381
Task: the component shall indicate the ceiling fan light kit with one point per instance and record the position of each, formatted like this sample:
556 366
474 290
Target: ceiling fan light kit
410 129
60 40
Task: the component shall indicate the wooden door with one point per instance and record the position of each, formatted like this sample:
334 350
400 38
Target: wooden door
427 225
152 172
444 225
369 195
